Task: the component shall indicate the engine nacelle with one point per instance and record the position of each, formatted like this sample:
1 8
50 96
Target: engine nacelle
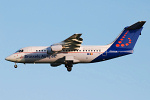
56 48
49 51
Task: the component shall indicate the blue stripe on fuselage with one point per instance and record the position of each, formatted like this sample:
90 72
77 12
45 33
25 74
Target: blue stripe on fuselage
112 54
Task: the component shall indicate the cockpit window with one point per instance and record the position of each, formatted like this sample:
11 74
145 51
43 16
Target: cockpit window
19 51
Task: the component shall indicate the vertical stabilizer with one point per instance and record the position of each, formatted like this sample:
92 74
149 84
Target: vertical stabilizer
128 37
124 43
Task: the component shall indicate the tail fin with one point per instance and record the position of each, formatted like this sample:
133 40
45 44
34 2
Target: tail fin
124 43
128 37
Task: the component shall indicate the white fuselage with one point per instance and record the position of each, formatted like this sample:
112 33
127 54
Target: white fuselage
85 54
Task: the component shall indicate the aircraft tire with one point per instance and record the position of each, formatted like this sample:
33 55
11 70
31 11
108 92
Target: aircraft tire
15 66
69 69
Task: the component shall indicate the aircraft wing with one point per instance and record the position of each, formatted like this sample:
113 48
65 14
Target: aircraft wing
72 43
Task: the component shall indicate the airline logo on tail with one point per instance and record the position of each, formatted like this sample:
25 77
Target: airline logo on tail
120 42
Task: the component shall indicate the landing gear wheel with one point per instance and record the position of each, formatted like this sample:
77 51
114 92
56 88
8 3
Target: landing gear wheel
69 69
69 65
15 66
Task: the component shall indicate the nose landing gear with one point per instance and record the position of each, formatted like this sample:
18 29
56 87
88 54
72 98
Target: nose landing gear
15 66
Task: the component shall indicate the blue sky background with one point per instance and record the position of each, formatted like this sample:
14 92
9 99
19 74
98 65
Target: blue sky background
44 22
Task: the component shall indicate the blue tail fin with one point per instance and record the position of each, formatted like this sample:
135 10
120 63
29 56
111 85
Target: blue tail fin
128 37
124 43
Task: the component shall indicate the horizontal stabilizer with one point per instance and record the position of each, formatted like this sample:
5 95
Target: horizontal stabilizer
137 25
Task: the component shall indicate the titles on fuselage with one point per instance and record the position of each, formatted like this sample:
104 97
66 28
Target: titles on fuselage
40 56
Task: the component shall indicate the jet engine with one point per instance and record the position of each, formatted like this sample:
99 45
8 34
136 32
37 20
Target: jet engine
49 51
56 48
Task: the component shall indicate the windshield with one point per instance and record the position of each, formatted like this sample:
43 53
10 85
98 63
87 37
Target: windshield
19 51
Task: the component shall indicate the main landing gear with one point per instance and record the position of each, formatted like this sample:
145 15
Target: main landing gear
69 65
69 69
15 66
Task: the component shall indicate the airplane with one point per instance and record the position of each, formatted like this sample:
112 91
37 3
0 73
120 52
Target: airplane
70 51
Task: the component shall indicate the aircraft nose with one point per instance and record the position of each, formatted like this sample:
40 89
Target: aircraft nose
9 58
